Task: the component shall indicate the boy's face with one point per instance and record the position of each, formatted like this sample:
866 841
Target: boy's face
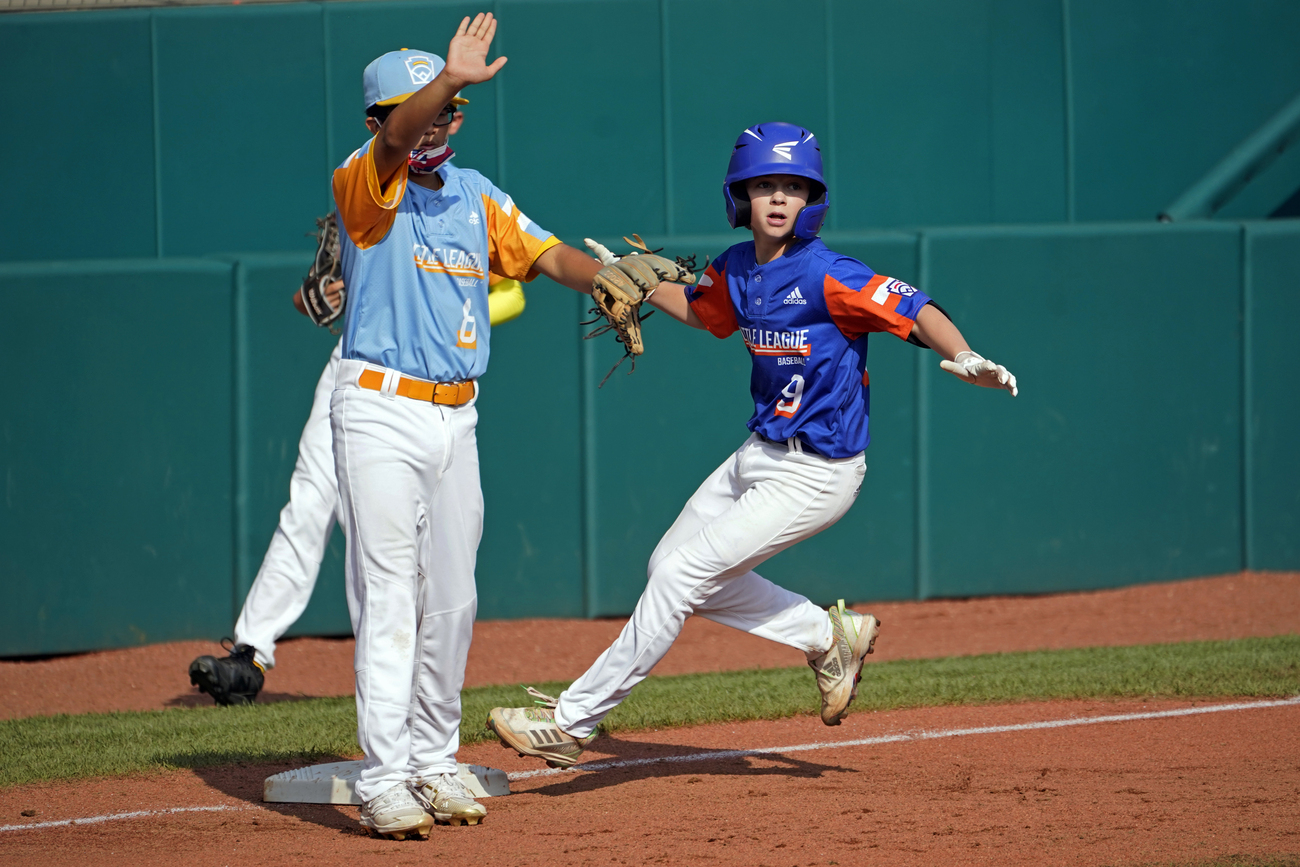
775 201
435 135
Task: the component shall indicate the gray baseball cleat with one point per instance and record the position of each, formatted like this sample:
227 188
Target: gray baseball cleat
840 668
447 799
532 731
237 679
396 814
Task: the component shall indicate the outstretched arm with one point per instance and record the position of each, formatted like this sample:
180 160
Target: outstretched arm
568 267
939 333
466 65
669 297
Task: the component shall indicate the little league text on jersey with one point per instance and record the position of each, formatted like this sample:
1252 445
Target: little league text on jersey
763 342
449 260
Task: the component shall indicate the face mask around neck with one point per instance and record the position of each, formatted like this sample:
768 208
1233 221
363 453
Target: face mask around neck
425 161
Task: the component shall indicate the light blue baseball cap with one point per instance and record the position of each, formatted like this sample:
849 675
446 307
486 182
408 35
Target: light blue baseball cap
392 77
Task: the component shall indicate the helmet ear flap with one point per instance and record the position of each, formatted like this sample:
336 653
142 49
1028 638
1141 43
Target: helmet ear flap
809 222
738 210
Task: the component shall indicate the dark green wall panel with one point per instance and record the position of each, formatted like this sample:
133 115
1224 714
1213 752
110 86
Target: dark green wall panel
1165 88
725 75
575 154
530 560
1273 459
947 111
241 129
216 129
280 357
117 453
78 152
1121 459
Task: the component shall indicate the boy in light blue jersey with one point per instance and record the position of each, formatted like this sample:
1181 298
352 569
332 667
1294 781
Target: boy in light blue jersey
418 240
805 312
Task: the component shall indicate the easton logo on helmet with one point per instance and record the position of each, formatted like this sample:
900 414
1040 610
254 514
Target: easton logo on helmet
783 149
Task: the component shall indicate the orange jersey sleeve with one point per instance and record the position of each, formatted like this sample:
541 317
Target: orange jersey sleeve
873 307
711 300
367 203
514 241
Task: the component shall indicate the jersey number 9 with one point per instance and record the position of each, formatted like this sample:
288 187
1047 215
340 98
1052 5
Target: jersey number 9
793 394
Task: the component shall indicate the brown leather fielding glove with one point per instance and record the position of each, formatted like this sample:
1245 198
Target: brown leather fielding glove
620 289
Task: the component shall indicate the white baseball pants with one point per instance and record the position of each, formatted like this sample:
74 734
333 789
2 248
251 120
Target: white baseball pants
762 500
285 581
412 510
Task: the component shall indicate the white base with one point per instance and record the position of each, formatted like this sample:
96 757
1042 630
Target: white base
336 782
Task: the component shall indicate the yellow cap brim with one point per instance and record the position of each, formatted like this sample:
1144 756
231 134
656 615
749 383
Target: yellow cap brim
395 100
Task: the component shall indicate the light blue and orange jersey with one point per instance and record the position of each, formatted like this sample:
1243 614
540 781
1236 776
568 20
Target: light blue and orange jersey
805 318
416 265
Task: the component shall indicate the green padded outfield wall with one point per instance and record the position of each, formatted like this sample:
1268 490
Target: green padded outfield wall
117 454
1121 460
180 132
1272 400
147 457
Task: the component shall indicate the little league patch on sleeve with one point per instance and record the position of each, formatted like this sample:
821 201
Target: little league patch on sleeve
892 287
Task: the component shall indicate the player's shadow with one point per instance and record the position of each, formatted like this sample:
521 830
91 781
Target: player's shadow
631 760
246 781
202 699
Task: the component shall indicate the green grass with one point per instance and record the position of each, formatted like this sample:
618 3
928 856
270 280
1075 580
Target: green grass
87 745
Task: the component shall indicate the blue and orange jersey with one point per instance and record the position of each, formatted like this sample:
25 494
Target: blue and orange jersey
416 265
805 318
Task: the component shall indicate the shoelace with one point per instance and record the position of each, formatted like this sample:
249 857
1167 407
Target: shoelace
541 698
450 784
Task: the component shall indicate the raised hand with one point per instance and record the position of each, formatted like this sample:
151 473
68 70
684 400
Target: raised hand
467 53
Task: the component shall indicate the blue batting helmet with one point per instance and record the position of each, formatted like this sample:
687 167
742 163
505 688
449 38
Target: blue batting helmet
776 149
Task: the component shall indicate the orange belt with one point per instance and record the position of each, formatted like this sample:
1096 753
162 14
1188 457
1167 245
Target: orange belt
448 393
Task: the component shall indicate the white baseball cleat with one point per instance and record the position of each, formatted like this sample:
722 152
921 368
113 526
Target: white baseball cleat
532 731
447 799
840 668
396 814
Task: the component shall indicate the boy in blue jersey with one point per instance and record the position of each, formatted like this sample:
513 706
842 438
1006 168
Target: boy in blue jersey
804 312
418 239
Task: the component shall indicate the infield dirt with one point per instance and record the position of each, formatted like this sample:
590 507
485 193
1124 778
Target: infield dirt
1155 791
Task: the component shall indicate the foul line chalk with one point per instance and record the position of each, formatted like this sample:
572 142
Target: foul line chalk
138 814
911 736
730 754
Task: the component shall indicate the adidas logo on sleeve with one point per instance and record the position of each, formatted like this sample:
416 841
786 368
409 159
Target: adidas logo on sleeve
795 297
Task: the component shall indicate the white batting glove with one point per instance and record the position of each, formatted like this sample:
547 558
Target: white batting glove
600 251
974 368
